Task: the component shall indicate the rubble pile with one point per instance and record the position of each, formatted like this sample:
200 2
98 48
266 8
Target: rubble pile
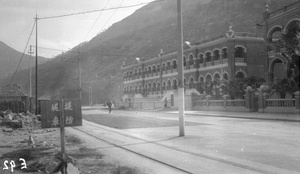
20 120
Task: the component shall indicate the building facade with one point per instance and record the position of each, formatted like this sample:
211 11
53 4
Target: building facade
277 23
224 57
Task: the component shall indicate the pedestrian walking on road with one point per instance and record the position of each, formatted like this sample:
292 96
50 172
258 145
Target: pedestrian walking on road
109 104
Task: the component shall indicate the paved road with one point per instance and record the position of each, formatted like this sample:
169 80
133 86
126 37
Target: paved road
211 144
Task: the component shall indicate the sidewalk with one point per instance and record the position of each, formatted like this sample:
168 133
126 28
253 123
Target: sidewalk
248 115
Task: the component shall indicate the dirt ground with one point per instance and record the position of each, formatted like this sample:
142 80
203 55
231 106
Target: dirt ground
15 145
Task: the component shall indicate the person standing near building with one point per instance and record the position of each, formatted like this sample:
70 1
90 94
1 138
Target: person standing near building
109 104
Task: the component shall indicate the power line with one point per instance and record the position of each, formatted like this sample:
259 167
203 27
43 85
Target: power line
112 15
95 21
97 54
16 38
53 49
22 55
104 9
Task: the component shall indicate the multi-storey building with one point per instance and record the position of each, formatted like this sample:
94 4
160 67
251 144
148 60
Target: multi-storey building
227 56
276 23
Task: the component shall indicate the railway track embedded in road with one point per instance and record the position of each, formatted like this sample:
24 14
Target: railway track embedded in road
162 162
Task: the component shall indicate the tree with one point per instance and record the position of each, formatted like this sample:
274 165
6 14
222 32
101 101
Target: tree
291 43
291 50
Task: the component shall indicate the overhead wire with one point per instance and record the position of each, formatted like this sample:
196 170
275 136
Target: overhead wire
112 15
94 11
17 37
99 54
22 54
95 21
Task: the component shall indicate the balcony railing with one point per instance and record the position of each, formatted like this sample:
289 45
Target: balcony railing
217 62
201 65
208 64
241 60
225 61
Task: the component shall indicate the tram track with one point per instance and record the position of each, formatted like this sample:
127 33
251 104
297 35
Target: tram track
124 147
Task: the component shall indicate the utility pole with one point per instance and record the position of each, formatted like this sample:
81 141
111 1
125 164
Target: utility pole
79 75
36 66
79 72
180 71
30 90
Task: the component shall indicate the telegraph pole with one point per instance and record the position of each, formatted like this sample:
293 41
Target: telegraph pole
30 90
180 71
79 75
36 66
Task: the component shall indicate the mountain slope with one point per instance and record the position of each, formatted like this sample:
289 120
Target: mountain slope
9 60
143 34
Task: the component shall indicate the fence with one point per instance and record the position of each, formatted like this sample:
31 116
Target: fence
144 104
199 103
281 105
14 106
253 102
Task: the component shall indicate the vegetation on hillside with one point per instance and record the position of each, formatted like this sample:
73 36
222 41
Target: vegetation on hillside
143 34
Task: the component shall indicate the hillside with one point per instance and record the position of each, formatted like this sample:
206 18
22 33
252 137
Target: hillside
143 34
9 60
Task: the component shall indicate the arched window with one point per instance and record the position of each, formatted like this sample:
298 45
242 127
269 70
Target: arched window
174 84
224 53
164 86
191 83
217 77
140 88
208 57
240 75
208 78
158 68
239 52
135 72
225 76
149 87
135 89
149 70
168 65
154 86
169 85
163 67
174 64
216 55
201 79
275 34
191 59
140 71
153 69
158 86
201 60
201 85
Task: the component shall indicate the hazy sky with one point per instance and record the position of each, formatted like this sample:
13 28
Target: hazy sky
16 18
